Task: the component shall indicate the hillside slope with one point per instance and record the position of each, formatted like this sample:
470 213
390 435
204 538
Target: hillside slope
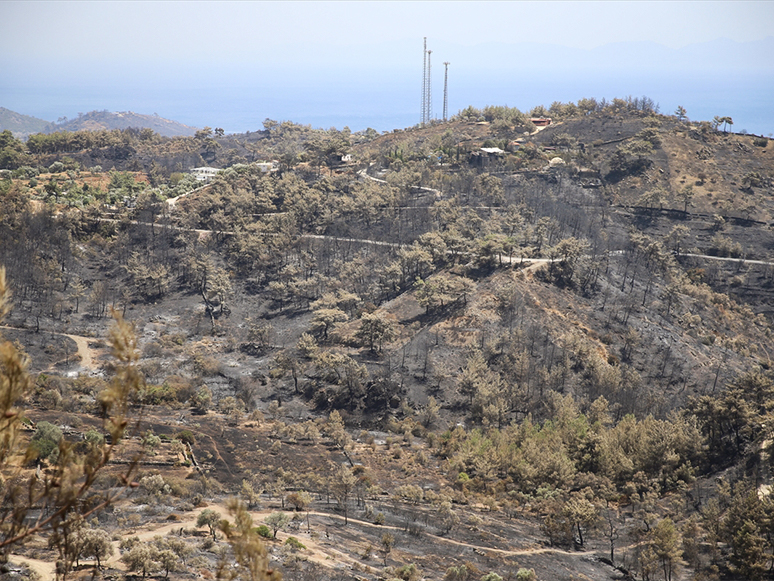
96 120
550 354
22 125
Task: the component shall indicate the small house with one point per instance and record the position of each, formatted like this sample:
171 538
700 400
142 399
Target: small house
267 166
486 155
204 174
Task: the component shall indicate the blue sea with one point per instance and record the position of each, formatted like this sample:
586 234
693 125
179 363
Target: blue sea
384 103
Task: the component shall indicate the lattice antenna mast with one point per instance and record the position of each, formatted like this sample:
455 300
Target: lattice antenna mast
424 84
446 91
429 89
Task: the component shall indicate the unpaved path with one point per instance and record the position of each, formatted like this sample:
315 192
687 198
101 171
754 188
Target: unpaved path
86 353
199 231
172 202
352 240
505 552
46 570
727 259
188 521
321 550
510 260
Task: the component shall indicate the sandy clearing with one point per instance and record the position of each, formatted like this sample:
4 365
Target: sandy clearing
46 570
86 353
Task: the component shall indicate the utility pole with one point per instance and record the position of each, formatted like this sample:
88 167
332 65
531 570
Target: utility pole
446 91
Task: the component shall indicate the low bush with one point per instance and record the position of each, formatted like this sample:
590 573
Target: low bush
186 436
294 542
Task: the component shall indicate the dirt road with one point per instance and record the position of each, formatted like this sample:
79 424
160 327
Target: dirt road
88 359
85 352
320 549
46 570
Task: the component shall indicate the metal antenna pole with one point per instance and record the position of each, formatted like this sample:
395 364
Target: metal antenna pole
424 84
446 91
429 90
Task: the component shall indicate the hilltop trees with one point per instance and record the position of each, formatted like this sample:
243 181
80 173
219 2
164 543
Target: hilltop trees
508 116
717 121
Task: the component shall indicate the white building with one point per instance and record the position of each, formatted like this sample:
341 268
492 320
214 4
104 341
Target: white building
204 174
267 166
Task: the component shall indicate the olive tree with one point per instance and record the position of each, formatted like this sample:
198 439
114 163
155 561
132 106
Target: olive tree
210 519
277 521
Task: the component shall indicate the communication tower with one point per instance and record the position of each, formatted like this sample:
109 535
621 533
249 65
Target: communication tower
429 89
424 84
446 91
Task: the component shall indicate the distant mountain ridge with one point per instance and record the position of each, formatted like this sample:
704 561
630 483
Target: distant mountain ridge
96 120
22 126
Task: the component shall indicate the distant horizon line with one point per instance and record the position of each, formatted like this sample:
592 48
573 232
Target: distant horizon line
64 120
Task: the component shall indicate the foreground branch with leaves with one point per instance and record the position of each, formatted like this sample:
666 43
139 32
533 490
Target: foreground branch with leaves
250 558
55 495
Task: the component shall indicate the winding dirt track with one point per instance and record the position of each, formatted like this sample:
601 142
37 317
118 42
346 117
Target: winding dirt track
46 570
86 353
534 262
319 550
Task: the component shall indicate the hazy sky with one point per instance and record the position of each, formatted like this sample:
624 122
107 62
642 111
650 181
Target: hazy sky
97 31
192 61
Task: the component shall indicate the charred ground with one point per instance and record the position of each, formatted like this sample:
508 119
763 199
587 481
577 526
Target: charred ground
508 338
